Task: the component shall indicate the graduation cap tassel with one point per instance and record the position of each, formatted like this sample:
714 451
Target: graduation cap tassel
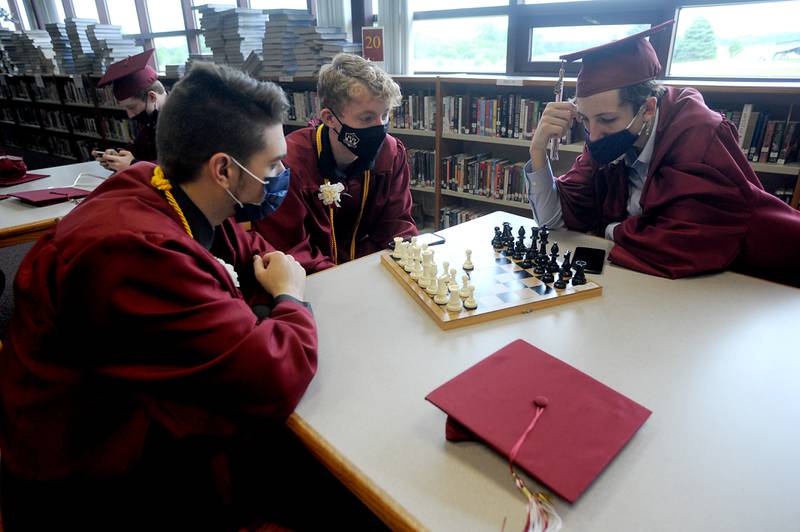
542 515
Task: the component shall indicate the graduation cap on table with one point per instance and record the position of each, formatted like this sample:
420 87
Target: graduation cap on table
132 75
617 64
580 423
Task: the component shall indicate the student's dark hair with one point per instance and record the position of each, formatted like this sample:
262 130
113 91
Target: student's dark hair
214 109
635 95
156 87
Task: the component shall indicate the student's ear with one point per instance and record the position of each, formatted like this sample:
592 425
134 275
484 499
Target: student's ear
328 119
220 167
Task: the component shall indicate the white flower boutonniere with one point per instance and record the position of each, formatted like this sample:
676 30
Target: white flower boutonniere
231 271
331 193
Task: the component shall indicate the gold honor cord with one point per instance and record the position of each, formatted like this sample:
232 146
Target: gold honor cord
365 192
162 183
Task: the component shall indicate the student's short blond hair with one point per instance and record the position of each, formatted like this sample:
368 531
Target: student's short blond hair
339 80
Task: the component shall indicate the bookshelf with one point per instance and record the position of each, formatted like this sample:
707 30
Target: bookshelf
68 117
63 116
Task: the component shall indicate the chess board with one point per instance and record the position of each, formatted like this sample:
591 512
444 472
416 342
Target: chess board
502 288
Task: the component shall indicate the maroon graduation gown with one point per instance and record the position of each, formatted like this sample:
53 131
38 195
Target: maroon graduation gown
143 147
130 337
703 207
302 227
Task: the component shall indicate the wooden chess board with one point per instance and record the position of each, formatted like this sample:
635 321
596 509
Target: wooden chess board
502 288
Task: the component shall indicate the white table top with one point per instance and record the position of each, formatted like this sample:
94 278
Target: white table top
14 212
716 358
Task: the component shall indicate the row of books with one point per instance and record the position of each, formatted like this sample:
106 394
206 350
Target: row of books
75 94
54 119
784 194
303 105
118 129
451 216
504 115
422 166
483 175
765 139
417 111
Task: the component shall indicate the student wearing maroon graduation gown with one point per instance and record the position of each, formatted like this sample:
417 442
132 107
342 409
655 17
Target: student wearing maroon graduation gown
661 175
137 90
150 330
348 149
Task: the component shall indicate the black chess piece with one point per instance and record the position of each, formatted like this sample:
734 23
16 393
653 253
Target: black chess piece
497 241
544 234
554 248
527 262
547 278
539 269
506 230
580 275
561 284
543 249
566 266
519 250
552 266
521 232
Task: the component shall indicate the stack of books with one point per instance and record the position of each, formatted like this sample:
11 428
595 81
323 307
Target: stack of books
7 65
109 46
211 25
174 71
34 49
282 40
243 33
60 39
82 53
321 43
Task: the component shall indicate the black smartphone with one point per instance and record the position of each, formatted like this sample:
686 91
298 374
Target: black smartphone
432 239
593 257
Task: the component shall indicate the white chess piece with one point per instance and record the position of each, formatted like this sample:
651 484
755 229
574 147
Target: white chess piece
464 292
412 257
452 284
427 259
470 303
441 294
454 304
416 266
445 268
403 254
396 250
432 286
468 263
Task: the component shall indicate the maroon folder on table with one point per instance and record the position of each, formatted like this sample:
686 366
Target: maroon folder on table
50 196
582 428
22 179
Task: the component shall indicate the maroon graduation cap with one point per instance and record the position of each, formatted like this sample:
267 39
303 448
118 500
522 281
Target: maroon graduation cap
132 75
617 64
583 426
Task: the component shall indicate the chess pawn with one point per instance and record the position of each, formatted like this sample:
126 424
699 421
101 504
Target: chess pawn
403 254
561 284
547 278
470 303
464 292
416 266
452 285
396 251
468 262
432 287
446 268
441 293
454 303
552 267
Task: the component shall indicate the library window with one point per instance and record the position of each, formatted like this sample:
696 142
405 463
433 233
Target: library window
171 51
124 14
752 40
83 8
440 5
473 44
279 4
6 24
165 15
548 44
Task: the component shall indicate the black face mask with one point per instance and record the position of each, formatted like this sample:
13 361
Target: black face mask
611 147
145 118
364 143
